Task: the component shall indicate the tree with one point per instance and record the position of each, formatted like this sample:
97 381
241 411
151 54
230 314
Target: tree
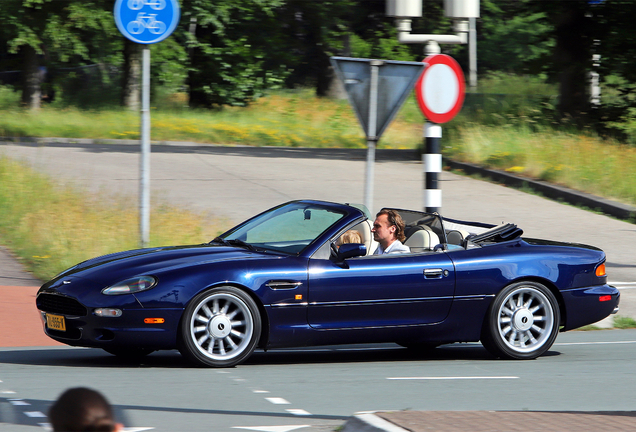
514 38
230 59
47 32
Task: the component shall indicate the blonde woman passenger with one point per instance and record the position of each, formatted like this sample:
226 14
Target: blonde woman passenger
350 236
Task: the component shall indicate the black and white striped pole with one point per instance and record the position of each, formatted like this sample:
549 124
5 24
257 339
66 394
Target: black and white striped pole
432 162
440 95
440 89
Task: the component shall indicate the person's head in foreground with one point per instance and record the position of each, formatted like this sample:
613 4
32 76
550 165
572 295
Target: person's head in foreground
81 409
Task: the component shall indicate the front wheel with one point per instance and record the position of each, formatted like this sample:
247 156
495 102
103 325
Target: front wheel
522 322
220 327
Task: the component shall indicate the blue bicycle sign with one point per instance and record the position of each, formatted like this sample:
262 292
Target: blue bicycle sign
146 21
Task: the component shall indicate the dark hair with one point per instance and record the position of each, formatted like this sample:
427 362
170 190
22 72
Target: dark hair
394 219
81 409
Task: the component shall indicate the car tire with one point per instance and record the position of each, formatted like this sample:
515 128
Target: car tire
129 353
220 327
522 322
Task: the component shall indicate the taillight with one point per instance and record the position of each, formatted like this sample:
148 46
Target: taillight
604 298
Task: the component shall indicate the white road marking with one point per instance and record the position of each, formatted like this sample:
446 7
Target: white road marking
260 391
296 411
623 285
17 402
596 343
453 378
7 392
278 401
271 428
47 427
34 414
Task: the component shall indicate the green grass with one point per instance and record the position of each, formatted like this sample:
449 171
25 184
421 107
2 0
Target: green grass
579 161
623 322
287 118
51 227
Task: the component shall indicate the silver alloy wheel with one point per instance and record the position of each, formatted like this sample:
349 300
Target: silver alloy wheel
525 319
221 326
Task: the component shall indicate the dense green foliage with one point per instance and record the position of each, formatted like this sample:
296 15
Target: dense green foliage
229 52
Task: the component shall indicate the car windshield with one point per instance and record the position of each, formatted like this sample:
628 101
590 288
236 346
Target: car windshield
287 229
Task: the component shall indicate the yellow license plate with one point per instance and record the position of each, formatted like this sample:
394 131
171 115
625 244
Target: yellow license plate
55 322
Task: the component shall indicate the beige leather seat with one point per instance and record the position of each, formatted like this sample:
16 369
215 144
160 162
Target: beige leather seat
456 237
422 240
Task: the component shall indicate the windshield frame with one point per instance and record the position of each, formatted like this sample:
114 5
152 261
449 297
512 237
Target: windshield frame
347 214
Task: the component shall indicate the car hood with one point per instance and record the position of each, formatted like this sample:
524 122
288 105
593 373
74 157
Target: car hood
115 267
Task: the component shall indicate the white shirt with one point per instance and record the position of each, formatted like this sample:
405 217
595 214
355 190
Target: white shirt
395 247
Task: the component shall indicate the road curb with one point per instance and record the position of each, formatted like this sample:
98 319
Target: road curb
369 422
549 190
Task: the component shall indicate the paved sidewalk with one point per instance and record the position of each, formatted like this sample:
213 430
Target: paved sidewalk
12 272
20 323
491 421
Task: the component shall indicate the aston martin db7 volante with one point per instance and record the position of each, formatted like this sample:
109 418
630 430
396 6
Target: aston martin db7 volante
281 279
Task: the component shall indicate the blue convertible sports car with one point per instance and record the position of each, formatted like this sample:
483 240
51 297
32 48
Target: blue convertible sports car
280 280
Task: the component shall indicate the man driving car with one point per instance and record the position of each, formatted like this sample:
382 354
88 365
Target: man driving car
388 231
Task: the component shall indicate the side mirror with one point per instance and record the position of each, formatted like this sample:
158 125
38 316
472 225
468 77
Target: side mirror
351 250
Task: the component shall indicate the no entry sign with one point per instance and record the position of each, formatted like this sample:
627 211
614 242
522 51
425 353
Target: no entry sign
440 89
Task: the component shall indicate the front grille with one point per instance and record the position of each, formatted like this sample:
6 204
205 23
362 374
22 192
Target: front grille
60 305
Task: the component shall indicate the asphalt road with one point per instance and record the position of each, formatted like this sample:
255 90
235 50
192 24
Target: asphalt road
235 183
318 389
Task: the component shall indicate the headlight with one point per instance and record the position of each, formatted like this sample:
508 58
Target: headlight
131 286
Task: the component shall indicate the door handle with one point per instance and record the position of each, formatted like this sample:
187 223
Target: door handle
435 273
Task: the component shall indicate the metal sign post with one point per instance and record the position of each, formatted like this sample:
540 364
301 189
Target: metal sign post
372 139
442 99
145 22
440 95
376 90
144 163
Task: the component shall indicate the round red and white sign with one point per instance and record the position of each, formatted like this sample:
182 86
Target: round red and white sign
440 89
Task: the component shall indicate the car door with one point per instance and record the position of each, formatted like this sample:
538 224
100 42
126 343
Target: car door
380 291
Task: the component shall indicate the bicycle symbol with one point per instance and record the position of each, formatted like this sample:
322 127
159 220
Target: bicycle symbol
138 4
144 22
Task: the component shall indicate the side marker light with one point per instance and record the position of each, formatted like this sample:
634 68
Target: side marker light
298 297
605 298
600 270
154 320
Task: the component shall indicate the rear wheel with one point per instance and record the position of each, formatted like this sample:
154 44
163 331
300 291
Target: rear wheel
522 322
220 327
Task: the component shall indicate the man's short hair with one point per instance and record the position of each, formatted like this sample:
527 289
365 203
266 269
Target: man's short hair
394 219
81 409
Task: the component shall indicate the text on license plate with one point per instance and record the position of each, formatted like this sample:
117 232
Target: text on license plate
55 322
